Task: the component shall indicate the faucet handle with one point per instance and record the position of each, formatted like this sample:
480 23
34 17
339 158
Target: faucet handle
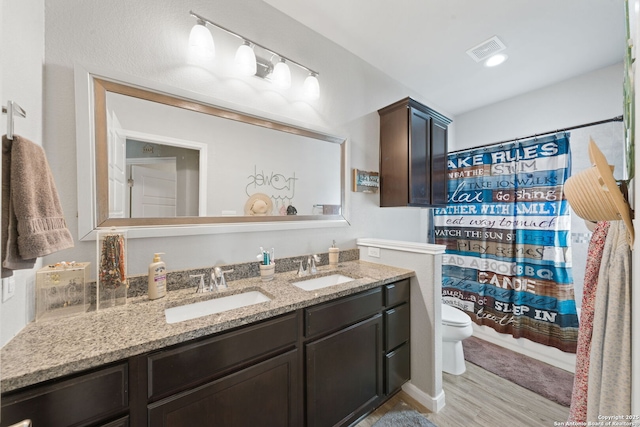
200 288
219 274
301 270
311 262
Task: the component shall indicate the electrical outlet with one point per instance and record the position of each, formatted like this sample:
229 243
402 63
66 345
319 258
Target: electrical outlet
8 288
373 252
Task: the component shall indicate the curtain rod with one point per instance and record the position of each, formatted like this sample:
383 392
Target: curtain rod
613 119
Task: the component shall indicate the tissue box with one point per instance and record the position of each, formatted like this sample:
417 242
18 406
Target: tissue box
61 290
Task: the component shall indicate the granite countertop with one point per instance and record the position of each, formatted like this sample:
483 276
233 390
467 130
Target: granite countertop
50 349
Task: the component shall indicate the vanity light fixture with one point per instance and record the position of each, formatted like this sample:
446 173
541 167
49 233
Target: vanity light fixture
246 59
311 86
250 64
201 41
282 74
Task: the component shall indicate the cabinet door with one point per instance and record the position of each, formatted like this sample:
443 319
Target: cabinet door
394 155
439 169
344 372
265 394
420 158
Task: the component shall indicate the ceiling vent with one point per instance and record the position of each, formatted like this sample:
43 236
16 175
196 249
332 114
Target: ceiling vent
486 49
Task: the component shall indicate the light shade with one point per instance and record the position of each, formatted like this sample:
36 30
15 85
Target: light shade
311 87
246 60
201 42
281 74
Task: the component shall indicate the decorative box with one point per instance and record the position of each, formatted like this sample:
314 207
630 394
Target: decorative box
62 290
112 280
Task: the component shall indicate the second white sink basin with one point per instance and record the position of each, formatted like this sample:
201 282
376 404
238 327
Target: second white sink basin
214 305
322 282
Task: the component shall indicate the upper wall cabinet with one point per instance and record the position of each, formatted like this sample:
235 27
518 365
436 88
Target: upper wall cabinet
413 155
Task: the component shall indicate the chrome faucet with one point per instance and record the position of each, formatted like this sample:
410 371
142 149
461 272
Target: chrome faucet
311 266
218 280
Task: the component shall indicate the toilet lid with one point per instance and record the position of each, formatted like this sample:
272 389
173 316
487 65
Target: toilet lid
454 317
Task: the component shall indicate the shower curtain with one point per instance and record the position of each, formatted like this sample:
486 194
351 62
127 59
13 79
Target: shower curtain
507 231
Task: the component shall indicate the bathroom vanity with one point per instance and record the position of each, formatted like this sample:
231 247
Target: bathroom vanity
322 357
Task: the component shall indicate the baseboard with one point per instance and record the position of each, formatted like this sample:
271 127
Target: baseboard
550 355
434 404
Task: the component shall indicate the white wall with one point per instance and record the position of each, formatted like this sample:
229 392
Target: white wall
22 57
148 39
591 97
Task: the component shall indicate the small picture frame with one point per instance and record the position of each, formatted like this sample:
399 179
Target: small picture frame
365 181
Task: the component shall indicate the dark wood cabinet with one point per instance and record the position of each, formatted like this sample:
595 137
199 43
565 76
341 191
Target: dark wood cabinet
191 364
397 331
344 374
413 155
265 394
324 365
92 398
334 315
397 368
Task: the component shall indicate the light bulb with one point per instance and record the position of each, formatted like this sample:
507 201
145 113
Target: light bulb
201 42
311 87
246 60
496 60
281 74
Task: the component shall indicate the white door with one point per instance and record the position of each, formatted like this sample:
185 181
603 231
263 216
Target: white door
153 192
117 168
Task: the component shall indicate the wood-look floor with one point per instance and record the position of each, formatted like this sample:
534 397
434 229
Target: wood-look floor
479 398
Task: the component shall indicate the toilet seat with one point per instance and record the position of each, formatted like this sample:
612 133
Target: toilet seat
453 317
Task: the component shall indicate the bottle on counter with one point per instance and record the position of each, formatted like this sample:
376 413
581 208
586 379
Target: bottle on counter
334 254
157 277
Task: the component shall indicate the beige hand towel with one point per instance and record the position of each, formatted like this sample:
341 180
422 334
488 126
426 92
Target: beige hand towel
32 219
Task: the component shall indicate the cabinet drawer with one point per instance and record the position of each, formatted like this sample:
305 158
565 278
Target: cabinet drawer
396 293
196 363
334 315
397 368
82 400
398 326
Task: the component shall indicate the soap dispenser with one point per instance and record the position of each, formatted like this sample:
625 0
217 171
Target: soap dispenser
157 277
334 255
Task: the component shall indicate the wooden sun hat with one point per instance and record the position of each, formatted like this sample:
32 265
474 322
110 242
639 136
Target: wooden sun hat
594 194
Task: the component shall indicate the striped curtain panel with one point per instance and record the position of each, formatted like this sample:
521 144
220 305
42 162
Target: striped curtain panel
507 232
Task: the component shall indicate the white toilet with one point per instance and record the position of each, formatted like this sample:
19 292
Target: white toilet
456 326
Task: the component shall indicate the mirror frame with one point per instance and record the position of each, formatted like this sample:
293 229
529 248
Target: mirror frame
92 151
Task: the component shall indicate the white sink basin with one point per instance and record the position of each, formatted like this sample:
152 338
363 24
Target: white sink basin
214 305
322 282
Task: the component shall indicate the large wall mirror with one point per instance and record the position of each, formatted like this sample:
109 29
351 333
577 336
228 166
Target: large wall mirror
160 161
